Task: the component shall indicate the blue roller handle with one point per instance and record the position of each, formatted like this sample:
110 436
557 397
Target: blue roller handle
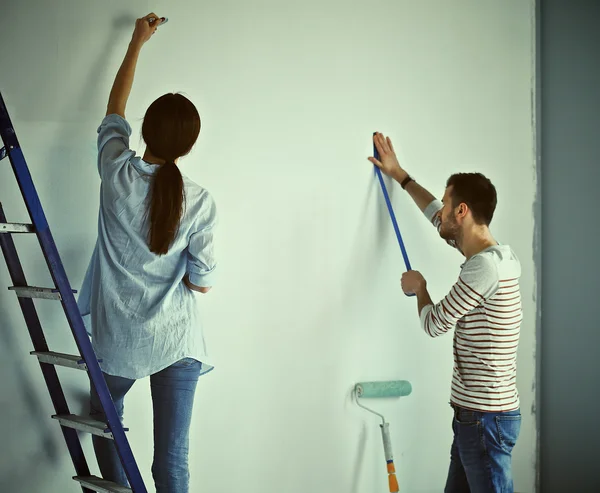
391 211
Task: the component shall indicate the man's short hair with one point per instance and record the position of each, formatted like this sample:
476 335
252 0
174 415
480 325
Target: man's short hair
477 192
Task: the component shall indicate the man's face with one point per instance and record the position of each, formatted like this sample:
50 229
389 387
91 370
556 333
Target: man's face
449 227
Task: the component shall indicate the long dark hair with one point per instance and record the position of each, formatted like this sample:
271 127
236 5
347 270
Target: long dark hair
170 129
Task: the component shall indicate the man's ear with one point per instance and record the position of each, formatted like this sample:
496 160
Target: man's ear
462 209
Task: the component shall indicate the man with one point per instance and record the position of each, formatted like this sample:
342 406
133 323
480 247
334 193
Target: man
484 309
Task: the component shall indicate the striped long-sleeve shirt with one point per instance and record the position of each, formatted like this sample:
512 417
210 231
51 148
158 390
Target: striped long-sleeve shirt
484 308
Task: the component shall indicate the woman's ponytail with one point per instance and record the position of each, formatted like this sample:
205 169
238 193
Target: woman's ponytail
166 207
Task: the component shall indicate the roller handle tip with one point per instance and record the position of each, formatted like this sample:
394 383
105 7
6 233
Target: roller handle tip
393 482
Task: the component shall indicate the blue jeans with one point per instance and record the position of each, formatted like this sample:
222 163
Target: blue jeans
172 400
480 458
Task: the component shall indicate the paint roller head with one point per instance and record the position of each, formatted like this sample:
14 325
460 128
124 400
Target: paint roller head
392 388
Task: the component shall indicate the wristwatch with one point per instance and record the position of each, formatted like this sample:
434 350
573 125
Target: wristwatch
406 181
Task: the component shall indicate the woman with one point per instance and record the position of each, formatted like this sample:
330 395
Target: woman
154 251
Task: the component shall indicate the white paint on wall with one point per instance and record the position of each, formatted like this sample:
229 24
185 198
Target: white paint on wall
308 300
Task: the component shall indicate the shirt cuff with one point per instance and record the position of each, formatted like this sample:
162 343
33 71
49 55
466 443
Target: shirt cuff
117 119
432 209
201 279
424 313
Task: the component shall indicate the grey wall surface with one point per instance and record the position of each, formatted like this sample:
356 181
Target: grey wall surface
570 335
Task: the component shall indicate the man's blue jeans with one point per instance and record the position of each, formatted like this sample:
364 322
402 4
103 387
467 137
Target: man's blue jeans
480 458
172 399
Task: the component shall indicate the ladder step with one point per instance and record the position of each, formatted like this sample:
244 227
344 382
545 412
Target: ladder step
35 292
101 485
61 359
82 423
16 228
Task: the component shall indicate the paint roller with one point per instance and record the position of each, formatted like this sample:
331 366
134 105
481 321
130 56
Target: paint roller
394 388
391 211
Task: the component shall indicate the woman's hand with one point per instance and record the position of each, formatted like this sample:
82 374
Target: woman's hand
145 27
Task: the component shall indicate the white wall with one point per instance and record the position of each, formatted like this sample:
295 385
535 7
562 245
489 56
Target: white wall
308 300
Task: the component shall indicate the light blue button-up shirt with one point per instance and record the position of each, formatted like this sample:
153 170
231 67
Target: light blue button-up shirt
140 315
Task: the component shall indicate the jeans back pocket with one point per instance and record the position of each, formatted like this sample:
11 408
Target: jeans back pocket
509 428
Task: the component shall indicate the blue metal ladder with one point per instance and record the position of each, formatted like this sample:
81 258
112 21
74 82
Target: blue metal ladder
62 291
